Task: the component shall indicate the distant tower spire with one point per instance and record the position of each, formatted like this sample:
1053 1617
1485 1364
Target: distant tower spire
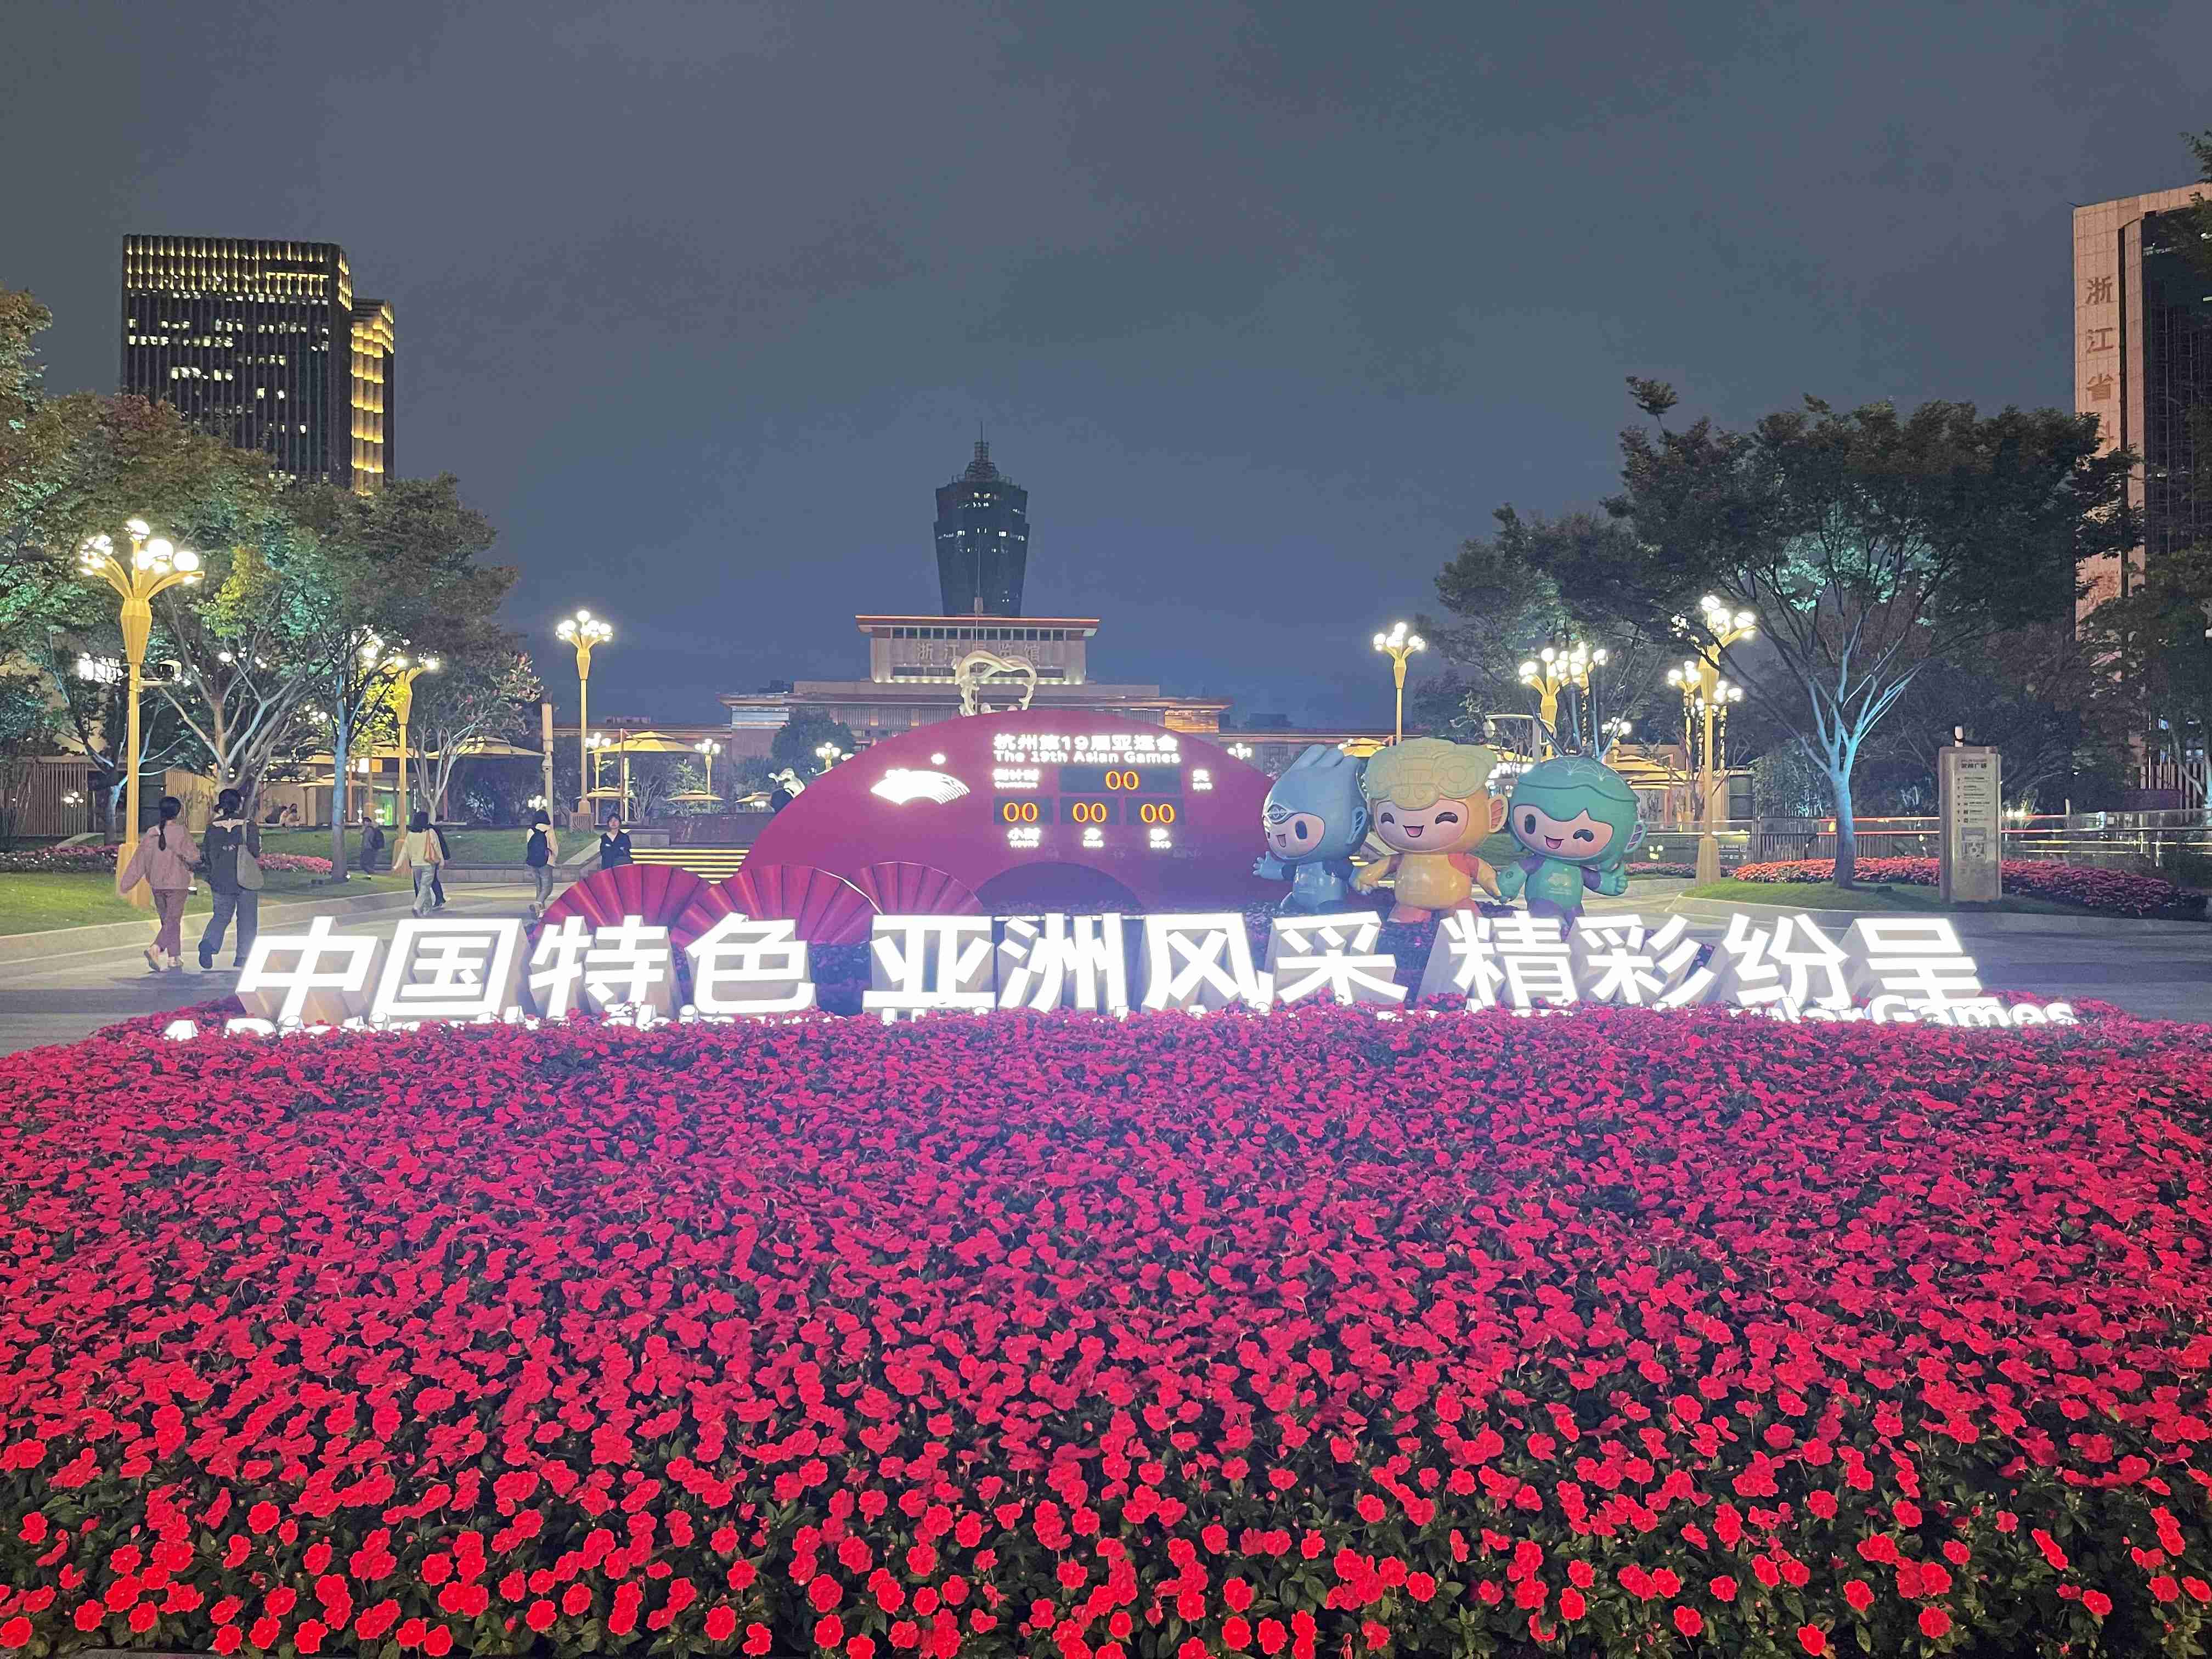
982 539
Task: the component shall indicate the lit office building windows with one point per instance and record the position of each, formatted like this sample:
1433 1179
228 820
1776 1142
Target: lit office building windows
245 337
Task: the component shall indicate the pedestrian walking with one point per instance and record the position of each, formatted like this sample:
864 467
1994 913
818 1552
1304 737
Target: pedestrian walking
422 852
541 849
164 860
372 843
445 857
614 845
231 855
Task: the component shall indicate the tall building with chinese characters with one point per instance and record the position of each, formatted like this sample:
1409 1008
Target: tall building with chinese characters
982 540
2142 363
265 343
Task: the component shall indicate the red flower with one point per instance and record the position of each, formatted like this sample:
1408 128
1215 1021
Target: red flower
2096 1602
1688 1620
1934 1621
1812 1639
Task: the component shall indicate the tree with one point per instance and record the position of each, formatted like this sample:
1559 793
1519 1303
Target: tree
1504 607
26 732
399 569
485 691
805 730
2156 664
1869 545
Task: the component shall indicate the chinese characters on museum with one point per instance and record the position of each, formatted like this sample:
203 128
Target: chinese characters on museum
1885 970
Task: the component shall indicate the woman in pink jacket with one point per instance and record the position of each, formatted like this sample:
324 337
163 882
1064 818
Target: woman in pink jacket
164 862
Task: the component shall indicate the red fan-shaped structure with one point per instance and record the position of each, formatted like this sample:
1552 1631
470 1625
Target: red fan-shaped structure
915 889
659 894
826 909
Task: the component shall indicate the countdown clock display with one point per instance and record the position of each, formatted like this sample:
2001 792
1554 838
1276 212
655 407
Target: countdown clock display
1041 811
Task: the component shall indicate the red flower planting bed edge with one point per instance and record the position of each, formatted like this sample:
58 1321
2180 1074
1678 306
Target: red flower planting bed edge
2115 892
1613 1333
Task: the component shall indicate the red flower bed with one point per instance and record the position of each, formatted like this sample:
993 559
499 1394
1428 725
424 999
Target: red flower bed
89 856
2113 892
1602 1334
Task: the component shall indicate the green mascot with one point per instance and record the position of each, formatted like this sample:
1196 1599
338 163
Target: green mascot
1575 819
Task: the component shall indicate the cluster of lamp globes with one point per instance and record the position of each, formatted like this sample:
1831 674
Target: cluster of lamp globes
1569 667
153 556
584 630
1685 680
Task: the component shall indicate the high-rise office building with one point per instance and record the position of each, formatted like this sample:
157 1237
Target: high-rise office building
2142 362
265 343
982 540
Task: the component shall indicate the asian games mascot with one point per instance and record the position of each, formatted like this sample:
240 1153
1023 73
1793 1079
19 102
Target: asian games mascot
1312 818
1432 806
1576 819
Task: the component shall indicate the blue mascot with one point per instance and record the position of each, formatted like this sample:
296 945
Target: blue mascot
1314 817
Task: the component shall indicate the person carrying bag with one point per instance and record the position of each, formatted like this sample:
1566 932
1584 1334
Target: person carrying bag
231 856
420 852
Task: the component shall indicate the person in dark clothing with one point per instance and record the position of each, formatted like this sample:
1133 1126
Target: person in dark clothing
539 849
444 854
372 843
230 853
614 846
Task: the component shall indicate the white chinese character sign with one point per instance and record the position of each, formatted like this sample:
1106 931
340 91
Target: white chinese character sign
462 971
920 964
1331 956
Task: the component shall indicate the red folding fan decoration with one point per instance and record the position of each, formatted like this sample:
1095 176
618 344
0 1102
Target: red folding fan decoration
659 893
828 909
915 889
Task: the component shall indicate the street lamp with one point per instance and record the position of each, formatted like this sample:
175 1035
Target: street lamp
1554 670
583 631
1719 627
1242 751
830 753
1398 645
594 745
405 673
153 566
709 749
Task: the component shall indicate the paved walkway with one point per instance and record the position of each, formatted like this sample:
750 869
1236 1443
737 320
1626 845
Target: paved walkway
62 999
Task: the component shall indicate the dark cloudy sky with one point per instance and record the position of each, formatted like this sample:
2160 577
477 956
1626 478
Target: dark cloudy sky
1268 305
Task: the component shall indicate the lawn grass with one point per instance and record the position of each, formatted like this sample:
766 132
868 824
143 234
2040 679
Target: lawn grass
1874 900
80 899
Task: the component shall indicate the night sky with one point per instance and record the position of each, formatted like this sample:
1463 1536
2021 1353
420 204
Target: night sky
1267 306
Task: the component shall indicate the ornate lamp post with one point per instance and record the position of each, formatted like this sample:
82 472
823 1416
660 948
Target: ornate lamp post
1554 670
152 566
583 631
1720 628
405 673
709 749
1398 645
830 753
594 745
1242 751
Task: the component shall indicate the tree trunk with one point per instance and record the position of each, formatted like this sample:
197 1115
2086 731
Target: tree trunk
339 789
1847 840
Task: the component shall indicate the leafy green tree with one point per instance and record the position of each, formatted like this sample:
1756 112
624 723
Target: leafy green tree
485 690
2155 663
398 567
1504 606
801 734
1870 545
